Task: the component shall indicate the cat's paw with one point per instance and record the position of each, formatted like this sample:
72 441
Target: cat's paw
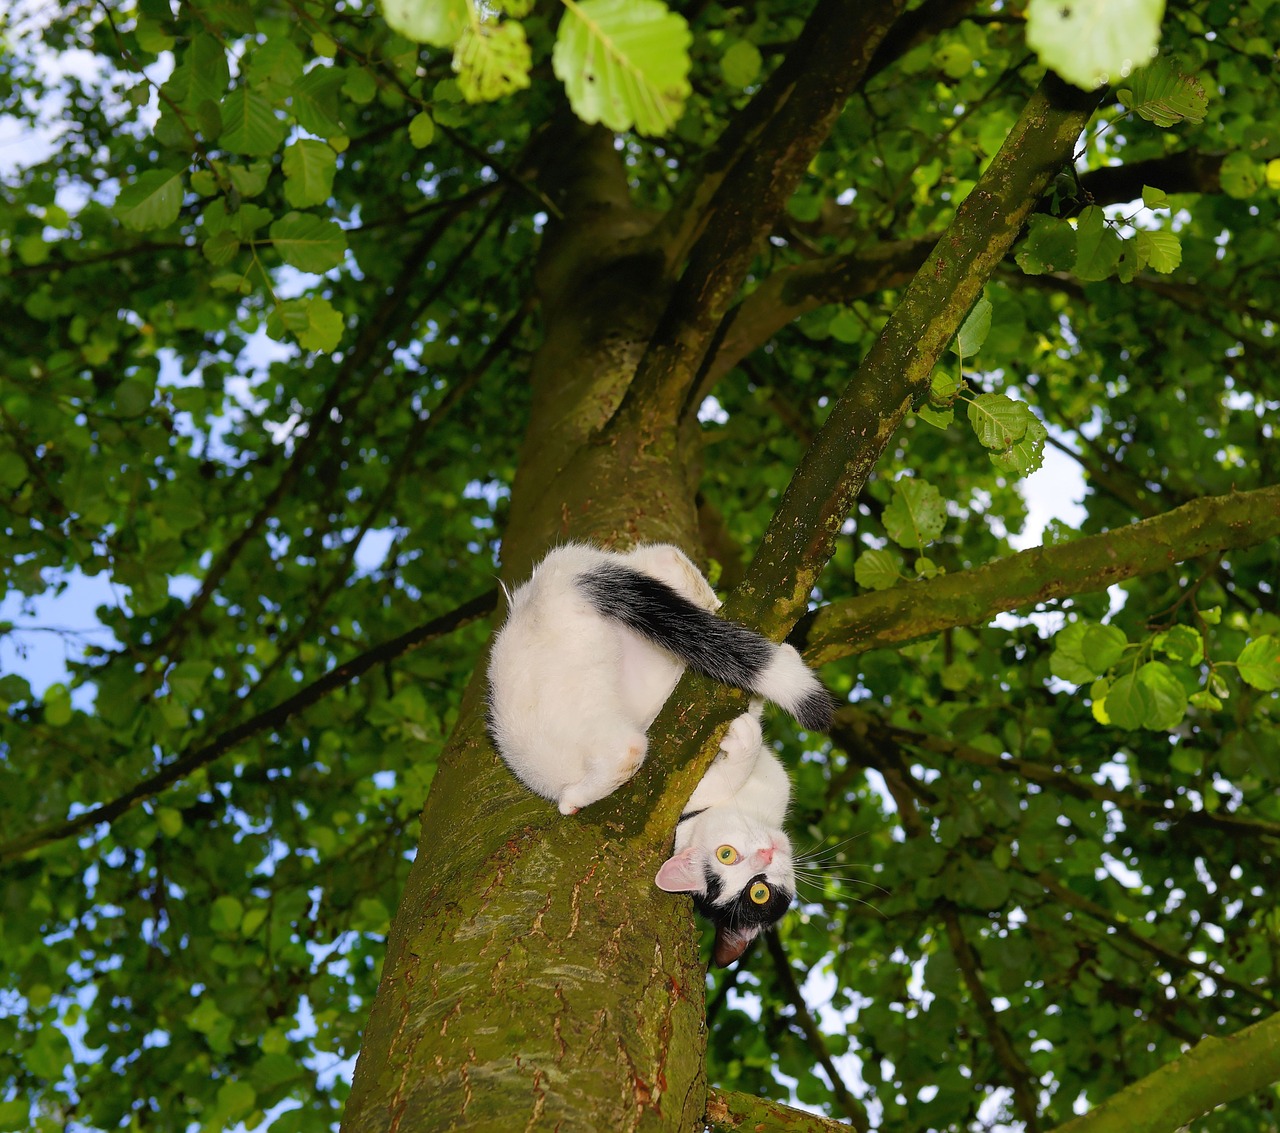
743 738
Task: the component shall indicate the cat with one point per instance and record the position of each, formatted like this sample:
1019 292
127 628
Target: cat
592 647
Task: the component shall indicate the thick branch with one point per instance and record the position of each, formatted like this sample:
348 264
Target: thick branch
831 58
730 1112
1214 1072
893 375
892 617
192 759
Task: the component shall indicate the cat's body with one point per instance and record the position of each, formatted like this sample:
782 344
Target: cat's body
593 645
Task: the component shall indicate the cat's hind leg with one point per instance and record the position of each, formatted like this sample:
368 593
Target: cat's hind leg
608 767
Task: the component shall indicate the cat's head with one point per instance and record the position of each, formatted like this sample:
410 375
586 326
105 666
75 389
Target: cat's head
742 881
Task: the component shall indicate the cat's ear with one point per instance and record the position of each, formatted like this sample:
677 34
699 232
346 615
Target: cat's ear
680 874
731 943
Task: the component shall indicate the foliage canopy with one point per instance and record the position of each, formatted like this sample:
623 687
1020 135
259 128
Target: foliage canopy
318 316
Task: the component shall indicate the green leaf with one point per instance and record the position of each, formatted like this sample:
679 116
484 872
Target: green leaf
1098 248
57 706
492 60
1259 663
1026 454
308 242
308 167
1241 176
1067 661
1163 95
939 418
314 322
916 514
998 420
973 331
877 570
1168 698
249 125
152 200
1050 246
741 64
169 820
437 22
624 63
421 130
1091 42
314 100
1182 643
943 386
1162 250
1102 646
225 914
1154 198
1129 702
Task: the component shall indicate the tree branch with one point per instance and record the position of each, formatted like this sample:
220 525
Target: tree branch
194 758
1212 1073
895 372
798 106
905 613
853 1109
1019 1077
732 1112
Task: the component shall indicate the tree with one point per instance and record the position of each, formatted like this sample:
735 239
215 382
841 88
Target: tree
720 275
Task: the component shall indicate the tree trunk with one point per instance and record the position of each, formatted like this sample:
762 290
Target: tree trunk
535 976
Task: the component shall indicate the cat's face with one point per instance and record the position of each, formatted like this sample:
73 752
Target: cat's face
742 881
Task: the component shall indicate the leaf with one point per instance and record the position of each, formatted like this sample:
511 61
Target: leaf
249 125
1129 702
492 60
1091 42
437 22
624 63
314 100
916 514
1102 646
1182 643
1259 663
421 130
308 242
1240 176
1050 246
1163 95
939 418
308 167
153 200
998 420
1168 698
741 64
314 322
1026 454
1154 198
1162 250
1097 246
973 331
225 914
1067 661
877 569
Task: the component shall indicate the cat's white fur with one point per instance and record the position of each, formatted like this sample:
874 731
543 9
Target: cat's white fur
572 693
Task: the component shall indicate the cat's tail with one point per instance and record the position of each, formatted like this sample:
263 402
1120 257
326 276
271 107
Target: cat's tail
716 648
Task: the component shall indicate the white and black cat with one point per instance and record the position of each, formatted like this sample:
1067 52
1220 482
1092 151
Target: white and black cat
593 645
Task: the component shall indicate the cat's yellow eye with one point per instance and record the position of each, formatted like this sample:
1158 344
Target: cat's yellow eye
759 893
726 855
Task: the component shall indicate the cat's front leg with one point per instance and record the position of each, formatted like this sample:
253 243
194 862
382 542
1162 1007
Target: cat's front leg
739 753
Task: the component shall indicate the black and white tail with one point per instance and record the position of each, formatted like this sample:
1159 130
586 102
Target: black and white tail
719 649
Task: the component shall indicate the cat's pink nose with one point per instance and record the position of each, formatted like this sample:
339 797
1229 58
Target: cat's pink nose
767 854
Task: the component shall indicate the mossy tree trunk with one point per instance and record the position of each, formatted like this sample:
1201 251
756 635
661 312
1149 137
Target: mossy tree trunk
535 976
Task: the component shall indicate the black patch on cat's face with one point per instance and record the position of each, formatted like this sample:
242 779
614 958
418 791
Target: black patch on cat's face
741 912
